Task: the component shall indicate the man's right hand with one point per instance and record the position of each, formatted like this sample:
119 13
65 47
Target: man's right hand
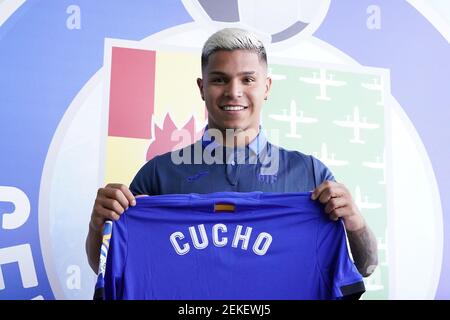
111 202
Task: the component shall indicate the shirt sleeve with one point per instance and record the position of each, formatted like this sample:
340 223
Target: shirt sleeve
321 172
143 182
337 269
115 262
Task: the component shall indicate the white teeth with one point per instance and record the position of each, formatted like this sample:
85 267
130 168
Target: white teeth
232 108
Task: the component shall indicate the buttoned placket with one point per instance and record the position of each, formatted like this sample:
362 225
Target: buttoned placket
233 164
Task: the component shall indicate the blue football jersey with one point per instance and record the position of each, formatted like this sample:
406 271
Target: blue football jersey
228 245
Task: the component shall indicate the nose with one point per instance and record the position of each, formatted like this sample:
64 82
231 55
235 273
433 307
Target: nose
233 89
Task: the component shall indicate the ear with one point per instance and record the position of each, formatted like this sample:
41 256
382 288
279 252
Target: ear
268 86
200 87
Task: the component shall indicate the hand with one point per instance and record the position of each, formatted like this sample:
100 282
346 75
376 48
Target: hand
339 203
111 202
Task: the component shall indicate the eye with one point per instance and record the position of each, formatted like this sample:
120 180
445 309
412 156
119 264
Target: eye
217 80
249 79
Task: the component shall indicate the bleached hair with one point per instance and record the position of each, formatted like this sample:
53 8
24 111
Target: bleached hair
233 39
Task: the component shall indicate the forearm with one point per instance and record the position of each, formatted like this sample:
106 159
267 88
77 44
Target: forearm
93 244
363 246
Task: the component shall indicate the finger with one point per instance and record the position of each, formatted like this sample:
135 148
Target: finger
334 217
335 203
125 190
318 191
325 196
107 214
100 214
119 195
130 197
114 205
339 212
114 185
334 192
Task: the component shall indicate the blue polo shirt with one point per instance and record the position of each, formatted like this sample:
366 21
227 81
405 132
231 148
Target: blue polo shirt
206 166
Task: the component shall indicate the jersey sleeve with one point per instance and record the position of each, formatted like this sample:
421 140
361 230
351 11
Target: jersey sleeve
337 269
116 258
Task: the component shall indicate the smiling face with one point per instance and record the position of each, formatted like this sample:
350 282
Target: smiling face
234 87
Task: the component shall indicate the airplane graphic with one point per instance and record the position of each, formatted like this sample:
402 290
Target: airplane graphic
276 76
292 118
378 165
364 204
376 86
323 82
356 124
331 162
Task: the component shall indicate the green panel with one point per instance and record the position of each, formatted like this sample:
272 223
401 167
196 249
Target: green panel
320 121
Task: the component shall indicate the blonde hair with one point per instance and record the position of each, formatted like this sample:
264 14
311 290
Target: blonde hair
233 39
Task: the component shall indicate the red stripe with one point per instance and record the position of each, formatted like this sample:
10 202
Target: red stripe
132 92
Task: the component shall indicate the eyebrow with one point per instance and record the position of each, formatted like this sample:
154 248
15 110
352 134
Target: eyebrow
243 73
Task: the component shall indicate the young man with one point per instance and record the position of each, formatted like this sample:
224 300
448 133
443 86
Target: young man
234 86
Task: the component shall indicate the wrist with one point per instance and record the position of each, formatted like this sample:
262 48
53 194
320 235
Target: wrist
93 227
354 223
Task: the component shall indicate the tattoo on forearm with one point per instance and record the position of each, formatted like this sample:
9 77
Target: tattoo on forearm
363 245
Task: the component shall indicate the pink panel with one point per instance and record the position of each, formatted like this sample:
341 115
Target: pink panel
132 91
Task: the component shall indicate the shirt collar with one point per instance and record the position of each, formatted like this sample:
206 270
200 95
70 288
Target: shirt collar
256 146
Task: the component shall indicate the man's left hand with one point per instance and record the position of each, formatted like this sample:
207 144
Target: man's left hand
339 204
